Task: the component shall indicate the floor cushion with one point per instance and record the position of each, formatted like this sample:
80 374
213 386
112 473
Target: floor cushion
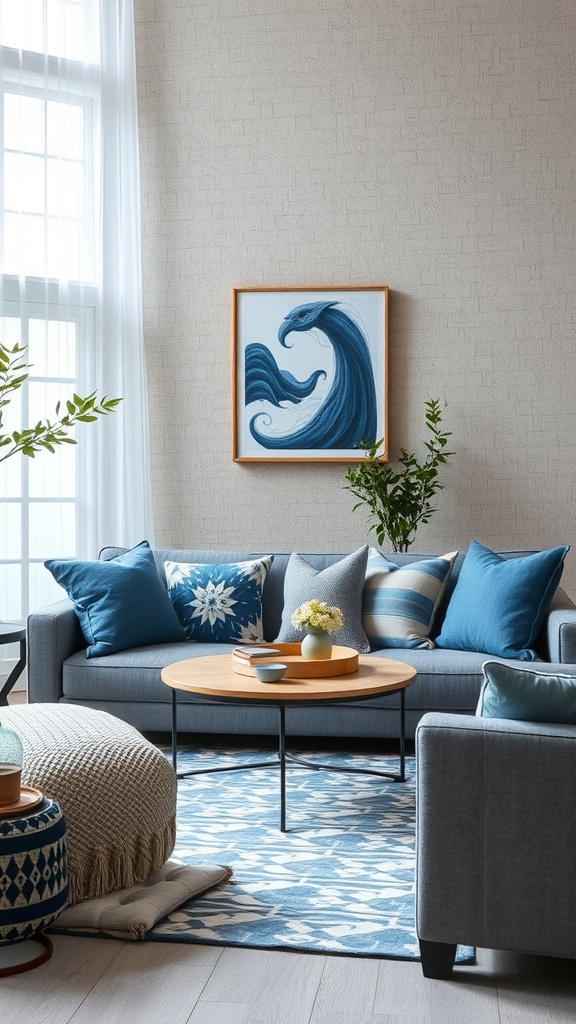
130 913
117 792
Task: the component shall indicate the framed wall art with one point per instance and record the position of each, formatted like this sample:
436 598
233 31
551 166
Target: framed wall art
310 373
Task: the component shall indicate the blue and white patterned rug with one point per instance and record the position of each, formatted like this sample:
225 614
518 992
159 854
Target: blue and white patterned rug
341 880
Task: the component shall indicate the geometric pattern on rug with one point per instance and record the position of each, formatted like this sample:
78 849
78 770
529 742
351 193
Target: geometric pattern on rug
340 880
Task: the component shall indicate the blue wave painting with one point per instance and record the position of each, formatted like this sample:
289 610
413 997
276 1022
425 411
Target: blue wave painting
348 413
265 380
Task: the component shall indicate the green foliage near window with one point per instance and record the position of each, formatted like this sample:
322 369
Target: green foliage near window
45 435
399 499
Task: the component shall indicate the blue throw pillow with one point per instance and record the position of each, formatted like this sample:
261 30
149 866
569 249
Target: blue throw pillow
121 603
399 603
219 603
527 695
499 604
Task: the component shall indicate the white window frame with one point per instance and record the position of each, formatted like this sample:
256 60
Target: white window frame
83 315
25 298
21 66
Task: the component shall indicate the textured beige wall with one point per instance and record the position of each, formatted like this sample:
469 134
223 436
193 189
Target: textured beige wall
425 144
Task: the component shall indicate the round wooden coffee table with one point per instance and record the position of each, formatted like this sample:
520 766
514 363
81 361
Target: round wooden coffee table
214 676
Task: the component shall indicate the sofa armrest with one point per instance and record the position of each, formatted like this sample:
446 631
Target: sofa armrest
53 635
561 629
496 834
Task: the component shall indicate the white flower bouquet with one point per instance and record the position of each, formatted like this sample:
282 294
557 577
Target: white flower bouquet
317 617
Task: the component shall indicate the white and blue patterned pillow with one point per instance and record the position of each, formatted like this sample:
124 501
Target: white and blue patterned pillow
399 602
219 603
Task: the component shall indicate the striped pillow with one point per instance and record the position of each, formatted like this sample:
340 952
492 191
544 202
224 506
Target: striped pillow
399 603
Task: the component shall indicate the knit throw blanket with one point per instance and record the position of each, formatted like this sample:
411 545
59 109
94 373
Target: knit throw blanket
117 792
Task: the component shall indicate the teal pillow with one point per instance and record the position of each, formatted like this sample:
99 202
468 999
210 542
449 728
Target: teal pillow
399 603
219 603
499 604
121 603
527 695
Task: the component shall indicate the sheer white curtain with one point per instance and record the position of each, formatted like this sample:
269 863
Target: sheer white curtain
123 510
70 283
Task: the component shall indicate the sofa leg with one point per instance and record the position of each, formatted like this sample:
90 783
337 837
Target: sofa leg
437 958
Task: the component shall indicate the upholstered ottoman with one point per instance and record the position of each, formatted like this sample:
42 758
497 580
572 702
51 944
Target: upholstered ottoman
116 790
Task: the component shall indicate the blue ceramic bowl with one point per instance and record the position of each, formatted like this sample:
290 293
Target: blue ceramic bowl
270 673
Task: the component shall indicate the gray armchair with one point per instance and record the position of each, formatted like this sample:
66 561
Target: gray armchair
496 837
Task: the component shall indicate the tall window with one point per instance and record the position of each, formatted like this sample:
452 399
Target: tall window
62 116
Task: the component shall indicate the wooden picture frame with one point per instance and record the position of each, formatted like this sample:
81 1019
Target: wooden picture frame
309 372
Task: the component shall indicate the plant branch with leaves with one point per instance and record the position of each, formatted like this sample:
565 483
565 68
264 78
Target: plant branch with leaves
398 500
46 435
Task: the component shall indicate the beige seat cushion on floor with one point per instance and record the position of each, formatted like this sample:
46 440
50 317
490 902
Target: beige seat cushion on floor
117 791
130 913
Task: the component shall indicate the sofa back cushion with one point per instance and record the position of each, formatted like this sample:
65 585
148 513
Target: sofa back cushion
273 591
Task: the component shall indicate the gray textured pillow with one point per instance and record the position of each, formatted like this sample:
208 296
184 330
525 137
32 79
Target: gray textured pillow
340 584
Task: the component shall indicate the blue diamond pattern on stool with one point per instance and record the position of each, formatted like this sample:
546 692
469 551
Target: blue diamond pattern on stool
33 871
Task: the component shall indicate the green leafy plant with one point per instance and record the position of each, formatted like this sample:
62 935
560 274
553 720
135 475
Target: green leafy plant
398 500
45 435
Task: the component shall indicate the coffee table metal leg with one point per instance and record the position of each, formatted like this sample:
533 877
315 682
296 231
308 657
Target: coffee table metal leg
282 757
208 771
396 777
402 737
174 731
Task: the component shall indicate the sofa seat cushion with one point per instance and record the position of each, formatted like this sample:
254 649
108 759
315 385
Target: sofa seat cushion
130 675
446 680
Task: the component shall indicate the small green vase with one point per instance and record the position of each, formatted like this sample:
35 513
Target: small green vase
317 646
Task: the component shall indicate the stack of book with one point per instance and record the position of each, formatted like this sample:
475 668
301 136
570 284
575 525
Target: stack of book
253 654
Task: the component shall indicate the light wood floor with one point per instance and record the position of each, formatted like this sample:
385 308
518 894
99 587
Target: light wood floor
106 981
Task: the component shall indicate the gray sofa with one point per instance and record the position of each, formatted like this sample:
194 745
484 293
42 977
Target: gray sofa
128 684
496 834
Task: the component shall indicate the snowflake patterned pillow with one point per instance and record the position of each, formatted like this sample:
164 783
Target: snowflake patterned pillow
219 603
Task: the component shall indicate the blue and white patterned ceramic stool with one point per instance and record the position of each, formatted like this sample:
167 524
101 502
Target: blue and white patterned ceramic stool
33 877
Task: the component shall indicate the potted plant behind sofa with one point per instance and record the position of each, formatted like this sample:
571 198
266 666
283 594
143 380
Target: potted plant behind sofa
398 500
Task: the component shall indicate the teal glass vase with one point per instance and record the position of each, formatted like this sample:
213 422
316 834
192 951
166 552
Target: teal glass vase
11 758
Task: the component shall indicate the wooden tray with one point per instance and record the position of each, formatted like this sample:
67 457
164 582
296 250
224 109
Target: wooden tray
29 798
343 662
